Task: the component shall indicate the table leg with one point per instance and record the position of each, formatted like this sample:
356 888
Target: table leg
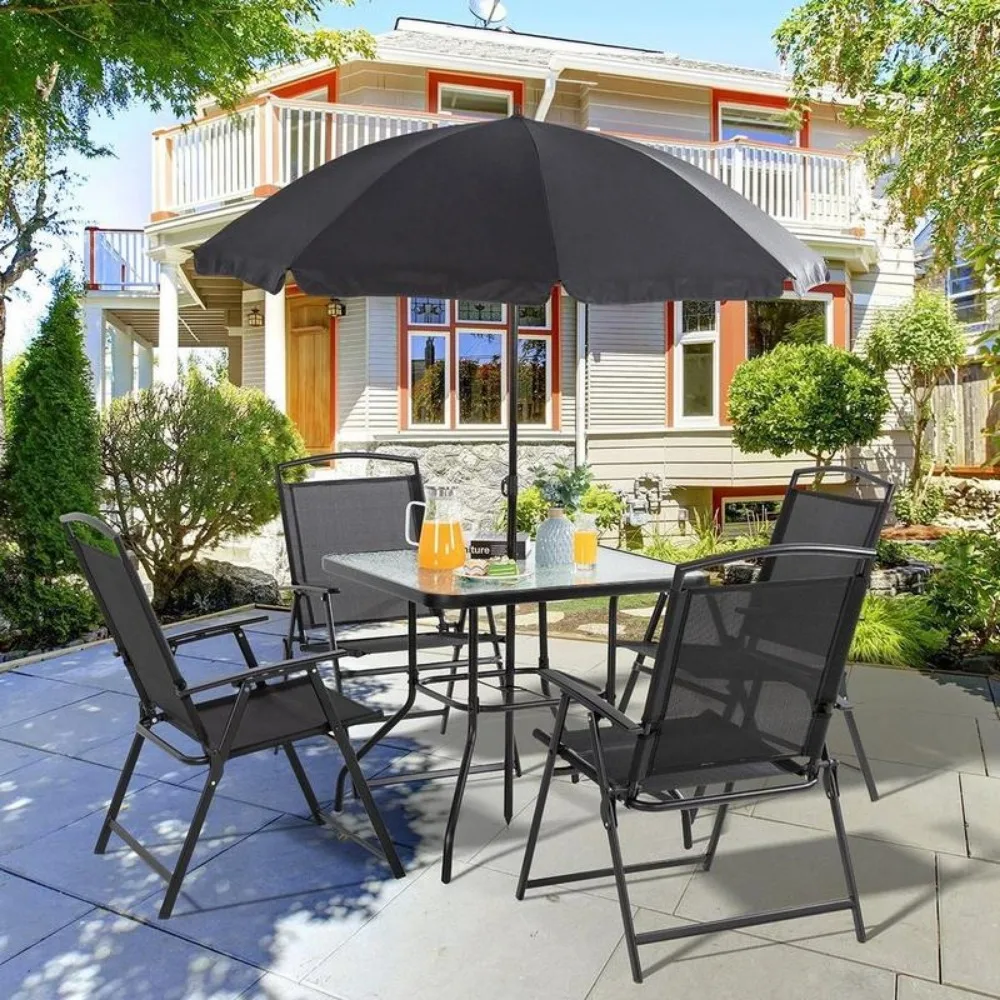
609 688
470 743
543 644
509 751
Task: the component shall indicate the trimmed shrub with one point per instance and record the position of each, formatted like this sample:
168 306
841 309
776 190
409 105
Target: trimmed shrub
190 466
897 631
923 506
601 500
532 508
965 591
810 398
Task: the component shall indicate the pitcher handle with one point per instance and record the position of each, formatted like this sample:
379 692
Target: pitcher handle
408 520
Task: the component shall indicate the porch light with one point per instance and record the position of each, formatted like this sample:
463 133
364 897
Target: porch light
335 309
255 318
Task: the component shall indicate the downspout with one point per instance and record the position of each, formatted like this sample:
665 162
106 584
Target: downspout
556 66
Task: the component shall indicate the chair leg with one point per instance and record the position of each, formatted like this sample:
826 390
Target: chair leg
713 840
120 789
364 793
303 780
859 750
543 793
832 786
630 683
191 840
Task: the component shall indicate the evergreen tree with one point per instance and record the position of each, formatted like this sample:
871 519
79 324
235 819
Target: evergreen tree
52 462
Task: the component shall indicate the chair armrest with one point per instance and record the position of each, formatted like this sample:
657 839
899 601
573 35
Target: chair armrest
583 694
308 588
262 673
198 632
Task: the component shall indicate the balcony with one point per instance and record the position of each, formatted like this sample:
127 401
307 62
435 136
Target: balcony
117 260
227 159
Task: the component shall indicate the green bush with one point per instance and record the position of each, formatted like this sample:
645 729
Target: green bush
897 631
810 398
52 462
921 506
965 590
891 554
190 466
601 500
532 508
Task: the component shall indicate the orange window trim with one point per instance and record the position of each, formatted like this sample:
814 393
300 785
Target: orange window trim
720 97
732 349
434 81
720 493
309 84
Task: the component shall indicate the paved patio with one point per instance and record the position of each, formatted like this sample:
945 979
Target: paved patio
275 907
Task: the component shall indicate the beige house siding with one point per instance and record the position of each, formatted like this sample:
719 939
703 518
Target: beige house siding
383 366
828 130
383 85
641 107
352 339
253 359
567 372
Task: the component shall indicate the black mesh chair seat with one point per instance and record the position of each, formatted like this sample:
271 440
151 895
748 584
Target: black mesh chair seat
279 711
264 707
743 684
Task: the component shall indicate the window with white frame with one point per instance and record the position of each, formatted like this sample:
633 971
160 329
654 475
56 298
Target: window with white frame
756 124
696 362
966 294
788 320
480 102
470 339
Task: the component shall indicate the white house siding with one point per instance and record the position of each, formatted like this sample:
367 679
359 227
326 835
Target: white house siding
253 359
567 374
383 86
828 130
352 341
626 381
647 108
383 367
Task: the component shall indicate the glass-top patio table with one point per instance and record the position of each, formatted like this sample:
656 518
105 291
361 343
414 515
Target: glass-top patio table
396 572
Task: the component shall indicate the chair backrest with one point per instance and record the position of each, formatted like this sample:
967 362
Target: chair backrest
809 515
754 668
324 516
118 591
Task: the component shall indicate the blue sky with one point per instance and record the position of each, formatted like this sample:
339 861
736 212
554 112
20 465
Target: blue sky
116 191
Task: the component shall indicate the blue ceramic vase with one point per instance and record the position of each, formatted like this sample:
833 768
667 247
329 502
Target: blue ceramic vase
554 540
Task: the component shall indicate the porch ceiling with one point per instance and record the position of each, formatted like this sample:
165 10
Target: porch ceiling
198 327
216 292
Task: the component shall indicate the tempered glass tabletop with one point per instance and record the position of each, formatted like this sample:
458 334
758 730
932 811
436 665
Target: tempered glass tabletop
396 573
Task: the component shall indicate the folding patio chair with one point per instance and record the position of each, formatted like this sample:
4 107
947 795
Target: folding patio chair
272 706
355 514
744 682
806 515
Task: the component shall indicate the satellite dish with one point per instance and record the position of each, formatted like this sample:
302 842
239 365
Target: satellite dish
487 12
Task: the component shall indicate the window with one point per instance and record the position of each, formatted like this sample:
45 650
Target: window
966 294
456 363
788 320
696 360
749 511
480 102
771 126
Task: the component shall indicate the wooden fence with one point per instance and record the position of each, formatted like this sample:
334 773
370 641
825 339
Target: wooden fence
968 418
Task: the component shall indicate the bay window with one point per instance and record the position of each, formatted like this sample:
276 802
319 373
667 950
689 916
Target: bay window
696 357
787 320
456 363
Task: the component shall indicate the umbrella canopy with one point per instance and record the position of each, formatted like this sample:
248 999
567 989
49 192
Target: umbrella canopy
502 211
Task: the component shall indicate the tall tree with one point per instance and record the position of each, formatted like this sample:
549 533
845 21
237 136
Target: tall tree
925 76
64 59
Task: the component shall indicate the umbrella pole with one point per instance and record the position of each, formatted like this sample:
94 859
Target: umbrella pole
512 386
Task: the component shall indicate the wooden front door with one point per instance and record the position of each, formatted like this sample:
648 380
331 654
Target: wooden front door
311 372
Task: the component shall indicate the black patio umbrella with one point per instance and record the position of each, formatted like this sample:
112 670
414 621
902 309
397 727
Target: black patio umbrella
501 212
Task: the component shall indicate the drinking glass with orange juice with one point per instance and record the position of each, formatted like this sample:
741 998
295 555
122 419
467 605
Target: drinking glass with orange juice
585 542
441 544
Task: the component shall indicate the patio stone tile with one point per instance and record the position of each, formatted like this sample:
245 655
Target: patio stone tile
76 728
282 899
989 736
732 965
912 691
921 989
47 795
763 865
107 957
970 923
158 815
573 839
981 799
274 987
14 755
891 732
57 663
266 779
95 668
31 913
917 807
153 762
23 696
445 943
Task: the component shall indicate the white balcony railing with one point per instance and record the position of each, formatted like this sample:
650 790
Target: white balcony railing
226 159
117 260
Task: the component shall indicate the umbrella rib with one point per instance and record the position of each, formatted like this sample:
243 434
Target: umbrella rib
545 195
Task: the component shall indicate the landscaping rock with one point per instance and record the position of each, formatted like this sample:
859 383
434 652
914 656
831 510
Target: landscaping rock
909 579
210 585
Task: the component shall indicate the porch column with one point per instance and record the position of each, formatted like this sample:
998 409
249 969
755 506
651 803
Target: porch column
168 355
143 364
121 363
274 349
93 338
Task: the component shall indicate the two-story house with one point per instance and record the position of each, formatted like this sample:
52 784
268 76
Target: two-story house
634 390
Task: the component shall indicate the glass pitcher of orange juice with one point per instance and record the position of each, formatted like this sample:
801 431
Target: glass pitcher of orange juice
441 545
585 542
